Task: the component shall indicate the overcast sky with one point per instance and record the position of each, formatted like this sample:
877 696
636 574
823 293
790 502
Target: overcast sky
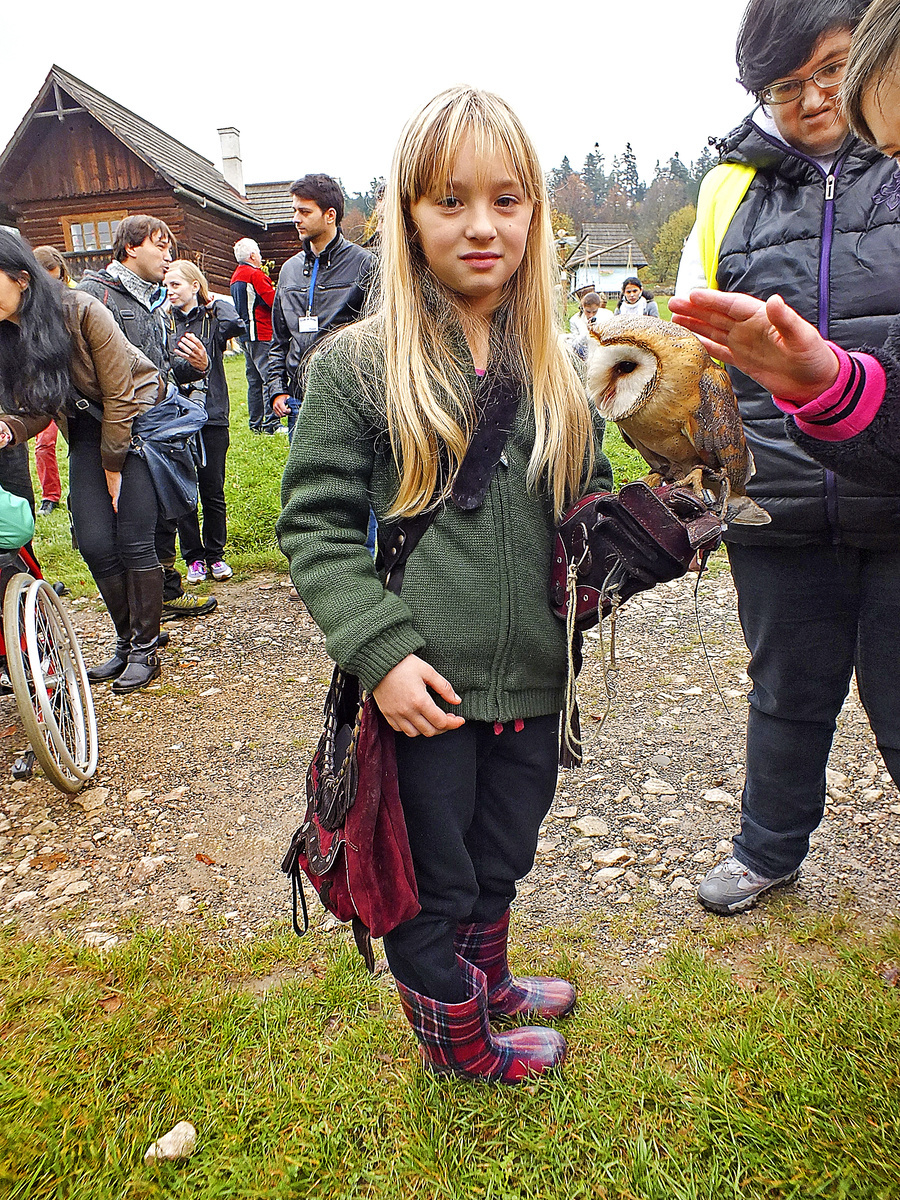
331 86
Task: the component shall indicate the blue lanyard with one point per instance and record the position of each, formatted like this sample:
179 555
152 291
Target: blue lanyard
312 288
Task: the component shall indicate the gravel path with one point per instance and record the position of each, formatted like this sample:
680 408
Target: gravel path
201 776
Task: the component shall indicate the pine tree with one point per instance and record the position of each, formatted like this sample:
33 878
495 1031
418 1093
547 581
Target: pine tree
559 175
593 175
628 178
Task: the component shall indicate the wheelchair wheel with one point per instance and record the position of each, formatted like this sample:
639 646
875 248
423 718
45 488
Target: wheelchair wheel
49 678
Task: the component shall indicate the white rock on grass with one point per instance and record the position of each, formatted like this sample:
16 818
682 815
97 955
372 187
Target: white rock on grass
99 939
180 1142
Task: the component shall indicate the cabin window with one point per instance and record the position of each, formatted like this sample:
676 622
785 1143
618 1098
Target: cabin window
94 231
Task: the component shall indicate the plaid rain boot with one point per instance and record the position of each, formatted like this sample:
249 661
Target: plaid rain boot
484 946
456 1039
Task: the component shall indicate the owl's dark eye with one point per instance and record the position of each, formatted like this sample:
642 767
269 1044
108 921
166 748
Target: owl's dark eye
625 367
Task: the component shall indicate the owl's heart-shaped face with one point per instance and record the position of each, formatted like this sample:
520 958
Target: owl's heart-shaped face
620 377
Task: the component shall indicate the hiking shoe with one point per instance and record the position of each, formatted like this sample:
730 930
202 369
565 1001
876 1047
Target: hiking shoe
220 570
188 606
47 507
196 572
730 887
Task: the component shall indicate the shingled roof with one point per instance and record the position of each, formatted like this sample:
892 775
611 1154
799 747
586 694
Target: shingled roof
272 201
180 166
615 243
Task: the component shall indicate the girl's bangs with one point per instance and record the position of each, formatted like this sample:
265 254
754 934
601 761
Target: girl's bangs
435 151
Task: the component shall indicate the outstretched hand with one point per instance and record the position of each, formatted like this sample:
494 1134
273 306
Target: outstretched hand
403 698
765 339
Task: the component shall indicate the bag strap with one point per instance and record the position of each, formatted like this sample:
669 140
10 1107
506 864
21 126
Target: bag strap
498 400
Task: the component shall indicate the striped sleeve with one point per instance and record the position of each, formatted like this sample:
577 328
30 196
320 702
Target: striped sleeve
849 406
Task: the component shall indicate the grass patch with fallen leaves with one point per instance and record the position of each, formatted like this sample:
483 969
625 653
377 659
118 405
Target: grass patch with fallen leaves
740 1065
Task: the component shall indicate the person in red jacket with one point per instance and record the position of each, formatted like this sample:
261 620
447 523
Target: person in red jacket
253 293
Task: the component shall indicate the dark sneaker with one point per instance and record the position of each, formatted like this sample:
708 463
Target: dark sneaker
730 887
47 507
188 606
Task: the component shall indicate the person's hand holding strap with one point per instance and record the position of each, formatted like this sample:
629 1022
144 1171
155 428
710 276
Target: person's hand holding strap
766 340
403 698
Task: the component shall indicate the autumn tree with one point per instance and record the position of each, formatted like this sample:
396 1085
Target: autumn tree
669 245
575 200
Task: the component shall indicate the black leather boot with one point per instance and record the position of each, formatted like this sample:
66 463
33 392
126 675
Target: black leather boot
145 591
115 596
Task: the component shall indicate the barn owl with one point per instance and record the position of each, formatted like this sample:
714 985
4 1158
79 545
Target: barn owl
675 406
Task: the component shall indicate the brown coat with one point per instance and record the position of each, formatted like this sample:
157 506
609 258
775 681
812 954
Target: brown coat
106 369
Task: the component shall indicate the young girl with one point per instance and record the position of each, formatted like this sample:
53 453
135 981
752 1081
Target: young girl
844 406
468 664
213 322
634 301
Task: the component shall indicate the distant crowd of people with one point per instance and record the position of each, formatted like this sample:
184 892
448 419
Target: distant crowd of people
144 326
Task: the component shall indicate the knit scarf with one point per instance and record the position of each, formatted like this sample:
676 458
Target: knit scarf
150 295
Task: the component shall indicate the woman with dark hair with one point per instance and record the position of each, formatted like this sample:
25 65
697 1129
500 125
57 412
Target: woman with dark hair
45 443
800 207
62 355
635 300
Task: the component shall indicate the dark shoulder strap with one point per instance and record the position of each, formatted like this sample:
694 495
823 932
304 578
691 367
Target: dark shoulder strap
401 538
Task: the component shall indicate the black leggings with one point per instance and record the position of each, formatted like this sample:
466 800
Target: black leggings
210 547
473 801
110 542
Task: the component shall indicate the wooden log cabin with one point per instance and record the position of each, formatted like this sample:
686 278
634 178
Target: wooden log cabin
79 162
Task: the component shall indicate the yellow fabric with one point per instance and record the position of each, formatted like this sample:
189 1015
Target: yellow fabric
721 193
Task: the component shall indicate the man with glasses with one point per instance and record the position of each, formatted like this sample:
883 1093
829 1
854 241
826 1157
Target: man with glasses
800 207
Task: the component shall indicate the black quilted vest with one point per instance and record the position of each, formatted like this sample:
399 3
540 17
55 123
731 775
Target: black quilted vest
831 248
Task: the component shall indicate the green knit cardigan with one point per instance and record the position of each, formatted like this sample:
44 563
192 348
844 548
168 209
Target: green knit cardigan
474 599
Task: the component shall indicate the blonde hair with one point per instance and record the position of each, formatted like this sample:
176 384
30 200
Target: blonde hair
428 394
193 274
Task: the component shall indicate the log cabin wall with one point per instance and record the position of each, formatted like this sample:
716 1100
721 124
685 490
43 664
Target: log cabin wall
278 242
208 238
76 167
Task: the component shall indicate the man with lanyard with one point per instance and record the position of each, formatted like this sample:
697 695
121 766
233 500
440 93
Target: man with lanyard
132 289
320 289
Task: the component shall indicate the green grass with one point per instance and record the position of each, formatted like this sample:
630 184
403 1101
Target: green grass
764 1066
252 491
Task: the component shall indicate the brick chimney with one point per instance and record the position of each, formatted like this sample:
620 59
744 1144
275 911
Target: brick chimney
232 167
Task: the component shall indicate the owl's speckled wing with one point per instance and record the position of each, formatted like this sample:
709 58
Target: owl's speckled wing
719 433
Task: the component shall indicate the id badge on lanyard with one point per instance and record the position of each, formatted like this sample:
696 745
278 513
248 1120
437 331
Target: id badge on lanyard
309 323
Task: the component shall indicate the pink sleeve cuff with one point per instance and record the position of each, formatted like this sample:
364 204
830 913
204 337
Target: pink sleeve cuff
848 406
